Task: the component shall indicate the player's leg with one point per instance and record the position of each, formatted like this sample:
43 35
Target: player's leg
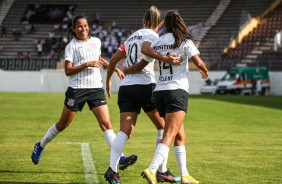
180 155
103 117
173 123
128 115
163 173
159 124
98 105
74 101
127 124
180 152
129 110
65 119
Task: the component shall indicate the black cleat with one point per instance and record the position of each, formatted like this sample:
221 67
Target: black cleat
112 177
167 177
124 161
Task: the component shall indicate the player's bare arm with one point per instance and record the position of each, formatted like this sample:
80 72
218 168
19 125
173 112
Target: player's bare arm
147 50
111 68
136 67
201 65
71 70
117 70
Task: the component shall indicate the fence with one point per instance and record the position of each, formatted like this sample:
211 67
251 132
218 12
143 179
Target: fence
56 81
12 64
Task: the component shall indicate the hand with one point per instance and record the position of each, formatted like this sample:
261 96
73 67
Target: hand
120 74
108 89
204 74
95 63
173 59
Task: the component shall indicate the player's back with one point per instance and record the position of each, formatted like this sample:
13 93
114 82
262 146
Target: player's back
133 55
174 76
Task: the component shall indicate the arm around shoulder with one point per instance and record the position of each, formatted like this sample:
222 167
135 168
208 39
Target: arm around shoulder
147 50
136 67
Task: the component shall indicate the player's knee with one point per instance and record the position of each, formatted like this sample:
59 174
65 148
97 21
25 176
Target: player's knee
127 130
105 125
180 139
60 127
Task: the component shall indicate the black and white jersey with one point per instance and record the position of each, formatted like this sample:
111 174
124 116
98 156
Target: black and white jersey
133 55
79 52
173 76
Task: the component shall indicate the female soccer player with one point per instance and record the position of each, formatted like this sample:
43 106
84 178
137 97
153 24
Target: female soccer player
135 92
82 64
171 93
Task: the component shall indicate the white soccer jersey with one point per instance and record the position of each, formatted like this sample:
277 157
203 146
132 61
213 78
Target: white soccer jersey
133 55
173 77
79 52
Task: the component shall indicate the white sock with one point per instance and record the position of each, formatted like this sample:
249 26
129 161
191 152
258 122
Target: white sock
159 136
163 167
160 155
116 149
109 136
49 135
180 155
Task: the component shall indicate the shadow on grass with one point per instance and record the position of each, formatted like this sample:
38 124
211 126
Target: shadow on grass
6 182
10 171
274 102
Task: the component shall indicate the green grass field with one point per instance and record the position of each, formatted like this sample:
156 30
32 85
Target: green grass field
230 139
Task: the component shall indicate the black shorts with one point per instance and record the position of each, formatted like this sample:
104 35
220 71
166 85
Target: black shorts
169 101
76 98
132 98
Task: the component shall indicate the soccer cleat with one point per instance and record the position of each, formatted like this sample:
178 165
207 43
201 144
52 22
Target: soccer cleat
112 177
149 176
124 161
36 154
188 180
167 177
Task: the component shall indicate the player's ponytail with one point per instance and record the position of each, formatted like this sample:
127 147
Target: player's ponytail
152 17
70 32
175 24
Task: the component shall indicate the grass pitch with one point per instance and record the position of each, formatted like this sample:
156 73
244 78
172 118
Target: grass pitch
230 139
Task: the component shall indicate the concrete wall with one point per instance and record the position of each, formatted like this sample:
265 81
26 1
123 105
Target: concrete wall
56 81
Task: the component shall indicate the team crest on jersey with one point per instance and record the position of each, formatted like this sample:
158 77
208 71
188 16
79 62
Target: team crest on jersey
70 102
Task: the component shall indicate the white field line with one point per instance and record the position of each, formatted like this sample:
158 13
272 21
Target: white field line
88 163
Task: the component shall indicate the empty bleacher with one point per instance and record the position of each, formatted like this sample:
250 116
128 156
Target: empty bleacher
127 14
228 26
257 47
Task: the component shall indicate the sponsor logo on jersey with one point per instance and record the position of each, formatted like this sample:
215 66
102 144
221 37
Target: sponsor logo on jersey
162 47
134 38
165 78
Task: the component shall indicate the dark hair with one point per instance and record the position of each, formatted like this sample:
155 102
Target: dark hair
153 17
175 24
72 24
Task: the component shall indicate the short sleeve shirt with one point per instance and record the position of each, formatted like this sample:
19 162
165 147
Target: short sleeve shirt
79 52
132 48
173 77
